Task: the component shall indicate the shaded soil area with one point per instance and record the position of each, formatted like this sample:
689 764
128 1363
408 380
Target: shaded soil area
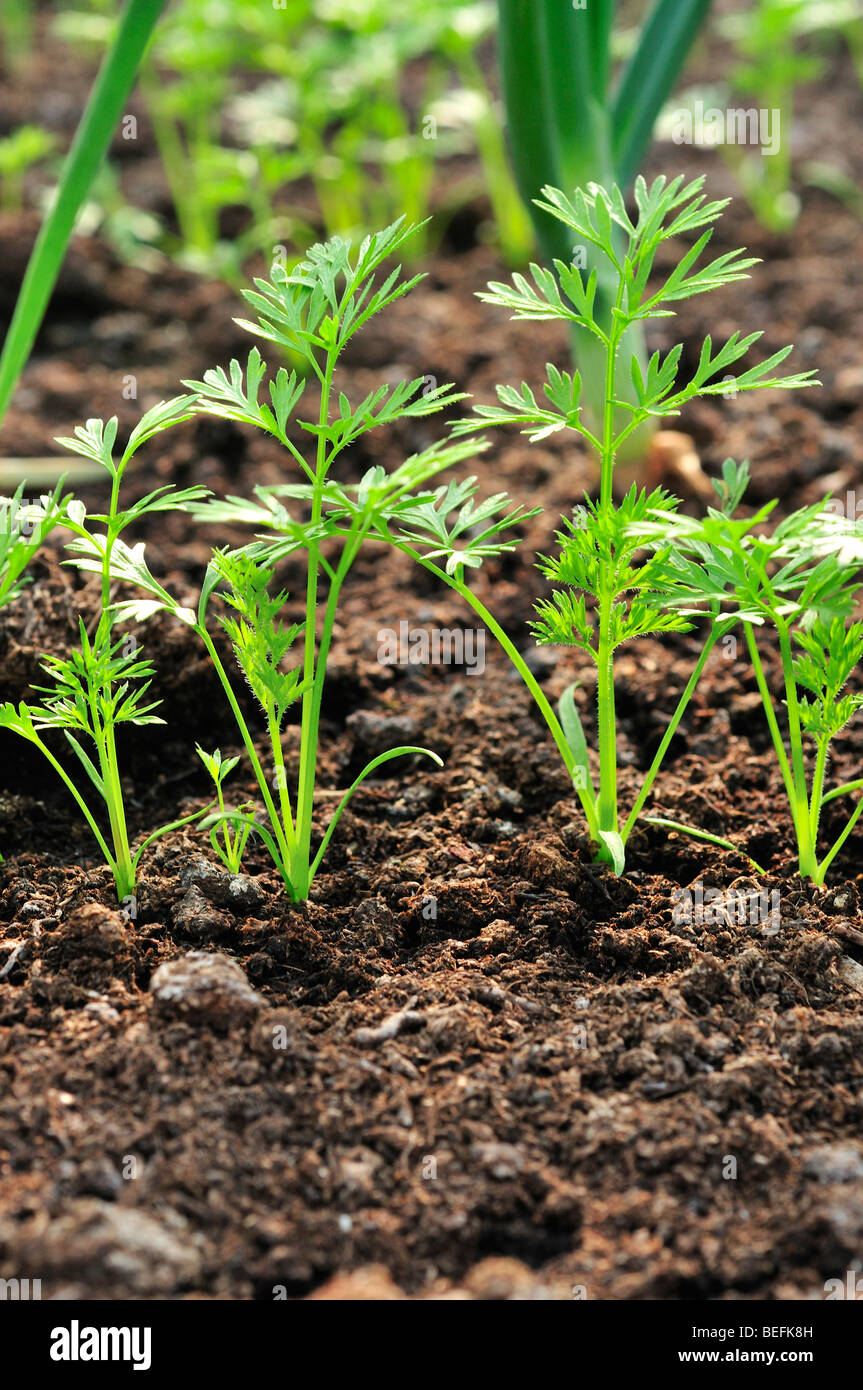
474 1064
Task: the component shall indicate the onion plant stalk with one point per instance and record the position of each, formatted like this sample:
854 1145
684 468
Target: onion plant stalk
573 121
92 138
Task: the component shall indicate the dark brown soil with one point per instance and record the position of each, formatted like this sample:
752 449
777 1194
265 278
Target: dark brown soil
473 1062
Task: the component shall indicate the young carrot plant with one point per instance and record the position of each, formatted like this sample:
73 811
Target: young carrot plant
602 555
103 684
19 153
800 582
228 841
24 525
315 311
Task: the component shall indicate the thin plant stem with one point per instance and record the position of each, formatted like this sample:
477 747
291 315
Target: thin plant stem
661 751
817 798
122 890
607 730
541 700
306 782
285 837
301 859
821 869
769 712
800 807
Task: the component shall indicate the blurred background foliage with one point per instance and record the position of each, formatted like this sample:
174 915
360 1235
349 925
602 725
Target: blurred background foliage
281 121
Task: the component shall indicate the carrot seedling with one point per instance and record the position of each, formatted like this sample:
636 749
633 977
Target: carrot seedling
103 683
602 557
24 525
314 311
800 582
229 841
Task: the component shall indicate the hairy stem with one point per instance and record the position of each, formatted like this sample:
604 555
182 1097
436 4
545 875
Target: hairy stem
310 715
301 868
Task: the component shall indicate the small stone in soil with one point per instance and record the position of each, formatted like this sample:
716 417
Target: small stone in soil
104 1245
196 916
237 892
834 1163
204 987
375 733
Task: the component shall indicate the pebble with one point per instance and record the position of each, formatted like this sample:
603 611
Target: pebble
204 987
237 892
376 733
196 916
834 1163
104 1243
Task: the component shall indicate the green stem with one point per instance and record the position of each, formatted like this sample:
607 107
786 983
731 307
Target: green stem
705 836
123 889
116 809
805 843
769 712
817 797
607 729
309 718
301 867
518 661
103 738
279 762
821 869
607 460
843 790
106 744
284 835
661 751
226 834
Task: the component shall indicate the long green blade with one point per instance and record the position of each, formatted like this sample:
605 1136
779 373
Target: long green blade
530 130
98 123
369 768
648 78
570 722
554 64
702 835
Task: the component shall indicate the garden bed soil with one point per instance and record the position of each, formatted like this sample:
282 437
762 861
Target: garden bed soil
474 1064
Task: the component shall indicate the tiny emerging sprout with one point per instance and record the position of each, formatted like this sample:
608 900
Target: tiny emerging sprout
229 831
